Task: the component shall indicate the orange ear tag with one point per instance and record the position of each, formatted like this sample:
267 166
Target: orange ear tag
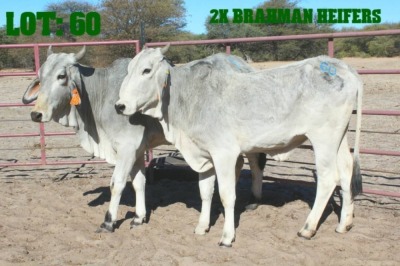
75 99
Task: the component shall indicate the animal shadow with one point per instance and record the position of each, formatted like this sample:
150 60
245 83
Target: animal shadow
282 191
169 187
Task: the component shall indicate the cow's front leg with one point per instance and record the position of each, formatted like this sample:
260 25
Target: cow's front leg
224 164
118 182
139 183
206 185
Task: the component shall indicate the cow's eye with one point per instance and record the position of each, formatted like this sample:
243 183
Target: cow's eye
61 76
146 71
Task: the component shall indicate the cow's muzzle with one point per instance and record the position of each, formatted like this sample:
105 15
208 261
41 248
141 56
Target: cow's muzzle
120 108
36 116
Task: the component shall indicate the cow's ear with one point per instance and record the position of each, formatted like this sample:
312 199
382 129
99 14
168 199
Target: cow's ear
32 92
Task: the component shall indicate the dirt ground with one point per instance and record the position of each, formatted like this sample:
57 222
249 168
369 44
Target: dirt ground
48 215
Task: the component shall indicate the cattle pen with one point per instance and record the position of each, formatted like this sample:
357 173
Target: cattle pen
330 37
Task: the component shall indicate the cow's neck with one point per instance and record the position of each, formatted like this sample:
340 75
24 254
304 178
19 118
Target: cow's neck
88 130
170 109
174 122
165 109
174 110
91 80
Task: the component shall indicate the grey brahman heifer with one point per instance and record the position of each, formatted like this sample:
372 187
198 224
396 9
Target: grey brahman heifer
212 116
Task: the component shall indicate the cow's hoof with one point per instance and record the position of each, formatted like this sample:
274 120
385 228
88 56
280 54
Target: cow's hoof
201 230
105 228
251 207
342 230
225 243
252 203
306 234
137 221
135 224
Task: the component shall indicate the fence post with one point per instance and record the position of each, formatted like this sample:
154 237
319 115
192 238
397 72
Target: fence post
42 144
36 56
137 47
331 49
228 48
41 125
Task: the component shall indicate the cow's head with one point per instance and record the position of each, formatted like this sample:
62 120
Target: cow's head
142 88
54 89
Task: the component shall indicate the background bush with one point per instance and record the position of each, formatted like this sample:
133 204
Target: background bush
164 20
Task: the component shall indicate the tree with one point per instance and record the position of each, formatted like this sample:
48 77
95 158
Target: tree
64 10
283 50
370 46
5 57
161 19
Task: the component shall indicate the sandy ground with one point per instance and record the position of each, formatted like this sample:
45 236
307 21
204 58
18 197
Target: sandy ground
49 214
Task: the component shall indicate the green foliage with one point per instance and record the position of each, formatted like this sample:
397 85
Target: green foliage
272 50
14 58
383 46
160 19
164 20
5 57
63 10
157 20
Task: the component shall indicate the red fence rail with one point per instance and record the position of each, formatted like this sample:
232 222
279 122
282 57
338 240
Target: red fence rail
227 42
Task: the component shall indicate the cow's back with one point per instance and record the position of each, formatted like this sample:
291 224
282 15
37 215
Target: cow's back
260 104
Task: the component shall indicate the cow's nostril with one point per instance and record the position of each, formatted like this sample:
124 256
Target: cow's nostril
120 108
36 116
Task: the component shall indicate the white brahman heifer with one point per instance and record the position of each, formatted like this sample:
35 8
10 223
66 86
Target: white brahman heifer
212 115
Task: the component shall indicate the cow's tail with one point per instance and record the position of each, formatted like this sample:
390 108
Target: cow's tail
356 179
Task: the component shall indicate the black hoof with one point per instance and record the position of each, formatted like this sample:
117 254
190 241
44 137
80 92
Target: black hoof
251 207
135 222
224 245
348 228
105 228
205 231
227 245
252 204
305 237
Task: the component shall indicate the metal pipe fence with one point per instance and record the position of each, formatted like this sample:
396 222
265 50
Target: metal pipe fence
227 42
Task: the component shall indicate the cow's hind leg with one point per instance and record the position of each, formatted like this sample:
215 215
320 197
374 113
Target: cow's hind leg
122 169
345 166
256 162
224 164
206 186
238 167
325 157
139 182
